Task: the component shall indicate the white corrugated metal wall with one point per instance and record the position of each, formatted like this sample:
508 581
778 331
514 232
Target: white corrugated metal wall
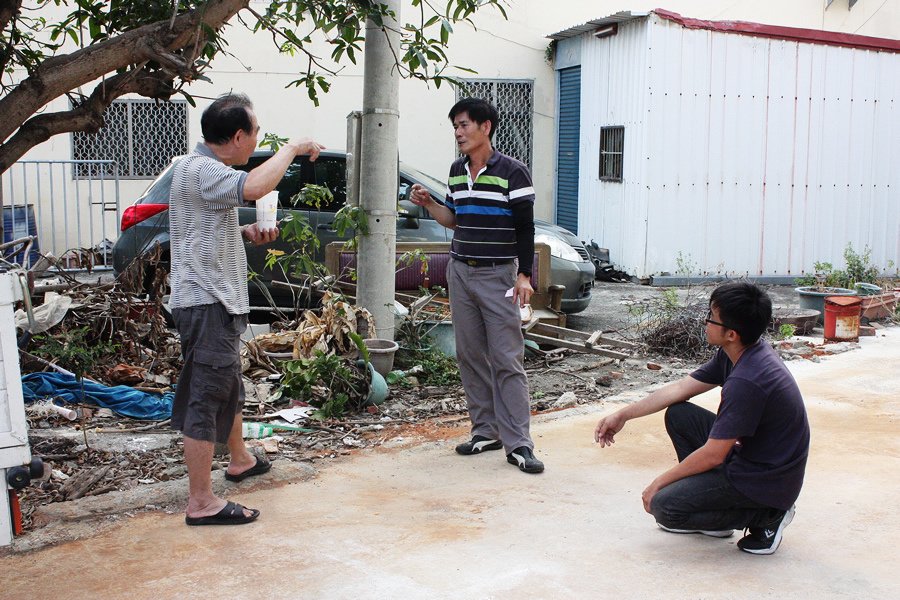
614 80
744 154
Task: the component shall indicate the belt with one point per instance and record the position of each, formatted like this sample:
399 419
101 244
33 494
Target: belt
482 262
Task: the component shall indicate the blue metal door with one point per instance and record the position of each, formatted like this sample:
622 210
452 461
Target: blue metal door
567 148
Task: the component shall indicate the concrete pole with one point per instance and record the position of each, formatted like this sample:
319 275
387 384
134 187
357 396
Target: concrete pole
378 172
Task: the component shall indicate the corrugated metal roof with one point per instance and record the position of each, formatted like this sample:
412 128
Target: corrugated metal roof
619 17
812 36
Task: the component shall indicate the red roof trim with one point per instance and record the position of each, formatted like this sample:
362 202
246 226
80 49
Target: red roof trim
796 34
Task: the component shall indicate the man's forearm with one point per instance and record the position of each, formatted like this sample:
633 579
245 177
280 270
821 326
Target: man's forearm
263 179
699 461
705 458
441 214
664 397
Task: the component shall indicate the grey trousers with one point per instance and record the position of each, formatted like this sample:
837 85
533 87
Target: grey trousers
490 350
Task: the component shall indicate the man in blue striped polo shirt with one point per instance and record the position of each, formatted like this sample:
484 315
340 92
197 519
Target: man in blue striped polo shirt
490 207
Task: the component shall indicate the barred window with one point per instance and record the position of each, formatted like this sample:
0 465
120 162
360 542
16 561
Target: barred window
515 103
612 146
142 136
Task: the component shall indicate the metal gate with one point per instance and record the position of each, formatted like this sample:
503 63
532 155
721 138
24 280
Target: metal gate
514 100
567 148
72 216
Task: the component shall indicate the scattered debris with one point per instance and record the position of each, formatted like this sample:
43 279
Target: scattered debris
117 336
567 400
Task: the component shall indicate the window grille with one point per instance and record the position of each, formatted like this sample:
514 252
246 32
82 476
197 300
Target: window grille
612 145
142 136
515 103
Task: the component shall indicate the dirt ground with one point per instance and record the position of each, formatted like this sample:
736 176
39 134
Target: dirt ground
411 519
136 464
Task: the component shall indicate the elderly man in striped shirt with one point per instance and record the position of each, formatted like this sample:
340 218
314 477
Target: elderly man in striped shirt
209 297
490 207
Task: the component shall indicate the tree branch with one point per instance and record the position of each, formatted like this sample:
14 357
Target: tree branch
87 116
8 10
62 74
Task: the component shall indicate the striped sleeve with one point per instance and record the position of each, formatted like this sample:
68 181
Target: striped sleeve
448 194
221 187
521 189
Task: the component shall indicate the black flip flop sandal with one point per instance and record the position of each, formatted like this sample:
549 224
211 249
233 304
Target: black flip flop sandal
231 514
262 466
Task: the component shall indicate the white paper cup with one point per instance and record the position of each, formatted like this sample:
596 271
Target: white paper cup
266 211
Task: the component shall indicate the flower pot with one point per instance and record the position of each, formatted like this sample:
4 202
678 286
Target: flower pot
378 387
381 354
442 337
813 297
803 319
879 306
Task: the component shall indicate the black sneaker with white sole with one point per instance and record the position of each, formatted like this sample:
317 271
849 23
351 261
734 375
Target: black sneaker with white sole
477 445
723 533
765 540
524 458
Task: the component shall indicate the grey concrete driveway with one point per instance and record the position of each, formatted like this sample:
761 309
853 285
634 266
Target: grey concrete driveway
418 521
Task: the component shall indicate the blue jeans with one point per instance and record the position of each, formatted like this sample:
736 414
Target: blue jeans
706 501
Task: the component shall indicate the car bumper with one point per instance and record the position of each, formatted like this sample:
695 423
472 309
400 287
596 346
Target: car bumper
578 277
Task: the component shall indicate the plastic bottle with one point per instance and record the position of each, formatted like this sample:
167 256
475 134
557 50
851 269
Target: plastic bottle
256 430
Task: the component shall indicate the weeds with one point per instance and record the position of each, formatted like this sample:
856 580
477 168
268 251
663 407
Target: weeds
785 331
858 269
75 350
438 369
669 326
327 381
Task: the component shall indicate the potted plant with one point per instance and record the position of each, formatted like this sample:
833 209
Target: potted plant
829 281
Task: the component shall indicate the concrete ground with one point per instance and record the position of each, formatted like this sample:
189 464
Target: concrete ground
421 522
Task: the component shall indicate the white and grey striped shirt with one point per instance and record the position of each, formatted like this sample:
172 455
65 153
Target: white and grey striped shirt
208 260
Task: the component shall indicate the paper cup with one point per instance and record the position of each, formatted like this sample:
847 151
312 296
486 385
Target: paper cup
266 211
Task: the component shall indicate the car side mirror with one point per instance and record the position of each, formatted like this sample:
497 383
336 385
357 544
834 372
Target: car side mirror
409 213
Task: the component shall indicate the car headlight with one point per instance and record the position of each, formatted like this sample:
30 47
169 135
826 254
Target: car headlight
558 247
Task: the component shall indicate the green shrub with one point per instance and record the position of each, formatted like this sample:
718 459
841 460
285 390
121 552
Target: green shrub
858 269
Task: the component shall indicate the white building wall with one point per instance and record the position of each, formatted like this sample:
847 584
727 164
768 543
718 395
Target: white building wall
614 80
509 49
762 156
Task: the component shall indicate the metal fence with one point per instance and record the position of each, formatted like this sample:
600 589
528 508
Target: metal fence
514 101
74 218
140 135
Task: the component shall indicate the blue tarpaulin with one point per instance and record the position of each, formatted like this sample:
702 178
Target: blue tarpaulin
120 399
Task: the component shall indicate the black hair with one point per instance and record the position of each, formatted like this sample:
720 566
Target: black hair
479 110
225 117
743 307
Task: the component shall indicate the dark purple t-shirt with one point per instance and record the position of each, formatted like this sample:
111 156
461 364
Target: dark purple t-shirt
762 408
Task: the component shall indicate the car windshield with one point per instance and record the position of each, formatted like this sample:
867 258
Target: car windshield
437 186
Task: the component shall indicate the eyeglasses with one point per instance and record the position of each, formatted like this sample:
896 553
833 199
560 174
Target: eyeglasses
711 322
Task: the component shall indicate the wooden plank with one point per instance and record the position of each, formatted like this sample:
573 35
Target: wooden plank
531 324
419 303
592 341
544 328
616 342
542 339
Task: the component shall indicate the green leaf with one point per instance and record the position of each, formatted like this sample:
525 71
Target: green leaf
360 345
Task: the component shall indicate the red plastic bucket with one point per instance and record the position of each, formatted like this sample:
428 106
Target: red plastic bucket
842 318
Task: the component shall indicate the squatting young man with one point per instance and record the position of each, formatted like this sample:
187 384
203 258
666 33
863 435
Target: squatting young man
743 467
